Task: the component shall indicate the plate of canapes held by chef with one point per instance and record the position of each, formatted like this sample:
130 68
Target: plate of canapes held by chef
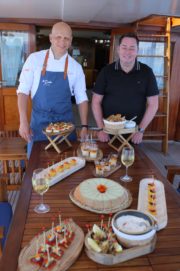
58 128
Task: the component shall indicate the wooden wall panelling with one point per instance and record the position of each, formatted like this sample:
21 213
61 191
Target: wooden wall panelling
177 132
174 91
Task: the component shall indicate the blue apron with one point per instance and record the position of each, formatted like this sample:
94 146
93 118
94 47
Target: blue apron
51 103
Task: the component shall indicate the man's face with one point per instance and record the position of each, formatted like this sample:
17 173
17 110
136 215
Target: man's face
128 50
60 39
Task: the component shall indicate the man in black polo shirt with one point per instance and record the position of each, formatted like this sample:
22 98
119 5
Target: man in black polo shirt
126 86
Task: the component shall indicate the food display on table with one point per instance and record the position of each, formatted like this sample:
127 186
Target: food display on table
103 245
89 151
101 195
106 166
55 249
152 200
134 228
116 118
114 122
62 169
130 124
59 127
102 239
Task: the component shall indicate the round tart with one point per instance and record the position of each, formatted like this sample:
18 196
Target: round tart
100 194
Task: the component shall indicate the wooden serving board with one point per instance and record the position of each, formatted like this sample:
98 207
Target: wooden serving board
125 204
89 159
107 173
63 133
125 255
120 131
161 209
69 257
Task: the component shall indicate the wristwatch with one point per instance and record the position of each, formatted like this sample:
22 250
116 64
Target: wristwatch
141 130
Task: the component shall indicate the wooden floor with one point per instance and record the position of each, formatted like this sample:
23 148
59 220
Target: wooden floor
153 151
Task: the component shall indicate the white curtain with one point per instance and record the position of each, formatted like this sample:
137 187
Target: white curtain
154 57
11 59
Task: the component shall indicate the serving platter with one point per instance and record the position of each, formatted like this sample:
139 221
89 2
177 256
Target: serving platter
108 173
88 158
120 131
160 217
60 132
125 204
62 175
125 255
69 256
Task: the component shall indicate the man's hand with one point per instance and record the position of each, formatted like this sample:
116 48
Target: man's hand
102 136
84 133
25 131
137 138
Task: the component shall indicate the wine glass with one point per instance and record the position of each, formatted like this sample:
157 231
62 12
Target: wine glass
40 184
127 158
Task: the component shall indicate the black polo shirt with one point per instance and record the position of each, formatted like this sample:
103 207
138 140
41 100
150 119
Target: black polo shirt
125 93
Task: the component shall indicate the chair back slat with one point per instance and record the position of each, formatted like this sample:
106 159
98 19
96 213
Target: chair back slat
13 133
13 170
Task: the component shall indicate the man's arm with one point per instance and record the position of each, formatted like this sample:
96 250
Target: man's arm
83 113
151 109
98 115
24 129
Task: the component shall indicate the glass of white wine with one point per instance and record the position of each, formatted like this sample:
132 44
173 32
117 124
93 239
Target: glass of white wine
127 158
40 185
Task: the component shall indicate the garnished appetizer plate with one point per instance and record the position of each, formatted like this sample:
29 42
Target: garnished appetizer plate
152 200
63 169
88 157
58 128
102 246
106 173
55 251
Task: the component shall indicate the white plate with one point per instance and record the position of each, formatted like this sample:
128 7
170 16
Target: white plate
60 176
161 209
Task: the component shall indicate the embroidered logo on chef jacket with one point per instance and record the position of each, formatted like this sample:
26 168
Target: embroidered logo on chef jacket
46 83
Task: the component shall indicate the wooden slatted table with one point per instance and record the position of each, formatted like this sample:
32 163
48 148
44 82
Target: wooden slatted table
26 223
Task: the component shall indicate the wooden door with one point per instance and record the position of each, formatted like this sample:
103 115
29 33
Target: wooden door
17 41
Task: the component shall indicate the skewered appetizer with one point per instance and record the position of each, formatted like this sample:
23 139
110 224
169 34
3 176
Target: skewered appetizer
53 244
102 239
152 198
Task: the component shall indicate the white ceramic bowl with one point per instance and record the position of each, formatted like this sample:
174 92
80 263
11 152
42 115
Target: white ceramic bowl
130 124
131 240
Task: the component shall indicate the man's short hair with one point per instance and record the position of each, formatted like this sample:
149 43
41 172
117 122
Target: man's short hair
129 35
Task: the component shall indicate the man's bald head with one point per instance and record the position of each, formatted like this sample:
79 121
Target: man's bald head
60 38
62 27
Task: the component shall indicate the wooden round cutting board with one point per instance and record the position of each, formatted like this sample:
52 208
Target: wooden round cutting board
70 254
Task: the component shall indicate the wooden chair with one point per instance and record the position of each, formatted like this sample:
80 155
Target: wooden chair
13 133
13 170
5 213
1 237
172 170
